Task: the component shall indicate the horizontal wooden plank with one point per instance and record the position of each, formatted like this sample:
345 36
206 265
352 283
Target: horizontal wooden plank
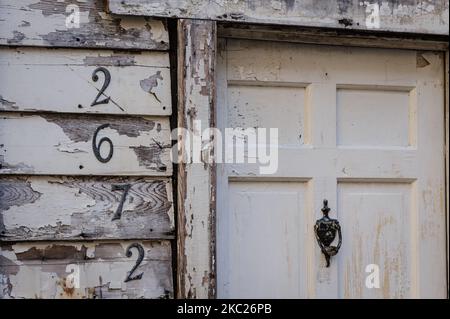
57 144
330 37
53 23
68 208
388 15
85 270
64 80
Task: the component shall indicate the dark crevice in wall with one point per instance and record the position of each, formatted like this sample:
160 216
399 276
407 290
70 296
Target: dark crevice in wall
173 36
337 32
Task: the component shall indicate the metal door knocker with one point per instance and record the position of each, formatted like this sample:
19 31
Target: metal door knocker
325 230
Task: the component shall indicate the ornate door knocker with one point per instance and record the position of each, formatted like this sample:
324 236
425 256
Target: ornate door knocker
325 230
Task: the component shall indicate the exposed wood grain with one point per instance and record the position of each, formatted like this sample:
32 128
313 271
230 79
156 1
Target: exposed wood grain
56 144
62 81
43 23
390 15
43 270
196 181
67 208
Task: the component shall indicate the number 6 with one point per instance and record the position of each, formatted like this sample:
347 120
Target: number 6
96 147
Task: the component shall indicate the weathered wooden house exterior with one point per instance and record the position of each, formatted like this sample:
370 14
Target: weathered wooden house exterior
92 206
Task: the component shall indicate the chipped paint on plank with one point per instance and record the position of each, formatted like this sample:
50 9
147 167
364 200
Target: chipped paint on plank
78 208
430 17
79 130
62 144
147 154
43 23
113 60
7 104
149 84
41 270
54 78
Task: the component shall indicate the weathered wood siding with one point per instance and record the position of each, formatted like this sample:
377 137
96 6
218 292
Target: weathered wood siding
45 270
85 173
53 208
52 80
383 15
43 23
63 144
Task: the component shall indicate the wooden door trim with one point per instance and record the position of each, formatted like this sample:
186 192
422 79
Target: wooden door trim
447 169
328 36
196 182
197 45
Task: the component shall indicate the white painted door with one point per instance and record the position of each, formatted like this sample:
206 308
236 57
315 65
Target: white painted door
362 128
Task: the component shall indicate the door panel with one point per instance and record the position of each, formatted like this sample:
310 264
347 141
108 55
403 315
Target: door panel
280 211
363 128
253 106
373 118
380 225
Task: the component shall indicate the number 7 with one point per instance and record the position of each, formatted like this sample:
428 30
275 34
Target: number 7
125 188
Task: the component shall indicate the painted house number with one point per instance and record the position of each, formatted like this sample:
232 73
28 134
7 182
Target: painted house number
125 188
104 86
140 250
96 145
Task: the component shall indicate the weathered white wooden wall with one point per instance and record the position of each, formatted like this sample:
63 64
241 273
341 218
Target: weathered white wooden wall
60 233
140 82
430 17
43 23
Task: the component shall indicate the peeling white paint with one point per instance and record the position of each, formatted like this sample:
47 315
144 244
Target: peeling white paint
423 17
97 277
27 23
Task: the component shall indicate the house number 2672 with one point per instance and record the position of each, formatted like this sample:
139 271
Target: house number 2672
96 146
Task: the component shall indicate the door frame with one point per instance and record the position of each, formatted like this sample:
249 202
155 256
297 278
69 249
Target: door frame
196 183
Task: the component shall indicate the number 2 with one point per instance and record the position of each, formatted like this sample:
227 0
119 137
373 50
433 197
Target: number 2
128 253
105 85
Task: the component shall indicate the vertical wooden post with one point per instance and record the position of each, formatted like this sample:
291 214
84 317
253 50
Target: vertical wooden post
196 181
447 142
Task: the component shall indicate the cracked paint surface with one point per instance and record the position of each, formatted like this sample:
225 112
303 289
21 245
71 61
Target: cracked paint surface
84 270
63 144
38 208
431 16
64 73
42 23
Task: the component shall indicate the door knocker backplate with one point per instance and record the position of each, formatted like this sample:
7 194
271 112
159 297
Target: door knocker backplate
325 230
